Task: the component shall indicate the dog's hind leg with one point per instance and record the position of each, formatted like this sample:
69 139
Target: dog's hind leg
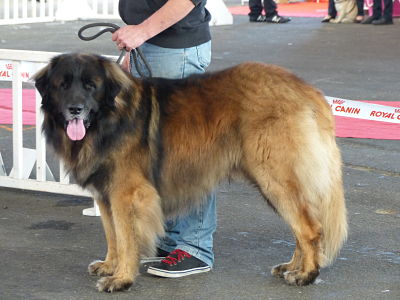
285 196
272 169
137 218
106 267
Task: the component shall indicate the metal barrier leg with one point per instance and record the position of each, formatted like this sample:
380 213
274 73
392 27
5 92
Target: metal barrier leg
2 167
92 211
29 162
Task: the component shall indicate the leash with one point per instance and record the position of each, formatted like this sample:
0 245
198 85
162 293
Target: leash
110 27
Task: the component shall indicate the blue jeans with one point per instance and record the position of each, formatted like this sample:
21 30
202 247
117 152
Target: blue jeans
193 232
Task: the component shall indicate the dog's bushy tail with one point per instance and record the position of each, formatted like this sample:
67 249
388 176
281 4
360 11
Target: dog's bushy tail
334 222
322 179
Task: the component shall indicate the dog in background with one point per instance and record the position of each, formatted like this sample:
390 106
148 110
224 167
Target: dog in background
148 149
346 11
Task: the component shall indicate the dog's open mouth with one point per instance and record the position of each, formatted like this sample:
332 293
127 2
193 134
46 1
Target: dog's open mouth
76 129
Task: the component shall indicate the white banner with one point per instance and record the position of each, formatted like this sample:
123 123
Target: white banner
27 69
362 110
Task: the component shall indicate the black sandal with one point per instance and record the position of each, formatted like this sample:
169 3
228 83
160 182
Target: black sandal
327 19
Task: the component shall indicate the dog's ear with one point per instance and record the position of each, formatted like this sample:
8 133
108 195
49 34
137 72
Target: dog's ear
113 87
41 80
42 84
116 80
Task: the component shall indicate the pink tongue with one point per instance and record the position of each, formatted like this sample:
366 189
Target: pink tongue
76 130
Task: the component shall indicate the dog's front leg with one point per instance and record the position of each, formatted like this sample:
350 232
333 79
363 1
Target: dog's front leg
137 218
127 248
106 267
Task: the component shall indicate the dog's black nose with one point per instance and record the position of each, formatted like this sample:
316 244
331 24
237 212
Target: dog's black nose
76 109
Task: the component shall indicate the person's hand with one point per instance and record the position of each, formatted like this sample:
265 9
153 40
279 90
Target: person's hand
129 37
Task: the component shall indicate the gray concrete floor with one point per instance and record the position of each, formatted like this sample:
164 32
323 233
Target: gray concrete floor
46 244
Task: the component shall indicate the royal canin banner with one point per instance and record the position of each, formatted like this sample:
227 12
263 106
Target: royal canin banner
364 110
27 69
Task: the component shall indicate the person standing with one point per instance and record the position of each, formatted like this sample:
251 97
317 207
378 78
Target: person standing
174 36
271 13
381 15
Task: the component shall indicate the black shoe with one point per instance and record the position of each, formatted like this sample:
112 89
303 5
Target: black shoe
160 255
382 21
259 18
178 264
369 20
327 19
277 19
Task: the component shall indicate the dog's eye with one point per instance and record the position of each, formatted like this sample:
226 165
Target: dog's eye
89 85
64 85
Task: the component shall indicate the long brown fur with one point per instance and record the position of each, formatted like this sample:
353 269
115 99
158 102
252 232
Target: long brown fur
175 140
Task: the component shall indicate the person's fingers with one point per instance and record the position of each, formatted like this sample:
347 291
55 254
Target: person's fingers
114 36
125 63
121 46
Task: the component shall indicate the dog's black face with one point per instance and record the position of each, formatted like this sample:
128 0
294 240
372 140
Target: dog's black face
76 90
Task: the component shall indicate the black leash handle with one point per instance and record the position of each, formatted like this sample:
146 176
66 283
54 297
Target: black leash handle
111 27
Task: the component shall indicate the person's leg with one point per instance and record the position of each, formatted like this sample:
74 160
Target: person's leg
360 11
331 11
376 12
377 9
360 7
191 233
255 9
388 10
270 8
387 16
271 13
332 8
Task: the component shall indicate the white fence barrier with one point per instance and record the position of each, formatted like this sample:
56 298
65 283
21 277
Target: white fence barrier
28 62
91 9
30 11
24 11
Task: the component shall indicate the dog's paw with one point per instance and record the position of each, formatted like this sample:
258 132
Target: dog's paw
101 268
300 278
113 284
347 21
279 270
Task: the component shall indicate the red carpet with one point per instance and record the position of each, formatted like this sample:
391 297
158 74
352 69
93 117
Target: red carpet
301 9
345 127
28 106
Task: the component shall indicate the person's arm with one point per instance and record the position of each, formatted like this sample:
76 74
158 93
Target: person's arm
132 36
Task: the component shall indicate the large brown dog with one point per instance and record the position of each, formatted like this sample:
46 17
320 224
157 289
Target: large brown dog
149 149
